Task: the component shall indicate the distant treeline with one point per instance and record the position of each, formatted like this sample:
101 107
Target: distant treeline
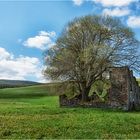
16 83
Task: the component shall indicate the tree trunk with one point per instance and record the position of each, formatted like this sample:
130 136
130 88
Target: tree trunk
85 93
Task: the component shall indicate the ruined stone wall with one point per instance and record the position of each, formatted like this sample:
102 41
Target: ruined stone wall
124 92
118 94
134 93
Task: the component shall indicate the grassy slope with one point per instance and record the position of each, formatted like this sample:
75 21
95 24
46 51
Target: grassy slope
138 81
29 91
30 116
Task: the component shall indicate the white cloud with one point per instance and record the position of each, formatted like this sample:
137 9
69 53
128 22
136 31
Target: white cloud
116 12
78 2
4 54
50 34
41 41
134 21
119 3
19 68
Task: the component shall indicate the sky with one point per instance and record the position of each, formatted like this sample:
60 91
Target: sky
27 28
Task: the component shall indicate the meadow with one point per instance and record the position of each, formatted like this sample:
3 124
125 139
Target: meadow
33 113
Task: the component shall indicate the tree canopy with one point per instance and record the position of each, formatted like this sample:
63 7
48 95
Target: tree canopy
87 47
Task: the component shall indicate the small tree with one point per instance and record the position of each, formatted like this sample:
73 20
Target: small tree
87 47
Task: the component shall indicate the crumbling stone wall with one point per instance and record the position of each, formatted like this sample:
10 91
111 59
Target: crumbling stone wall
124 92
119 88
134 93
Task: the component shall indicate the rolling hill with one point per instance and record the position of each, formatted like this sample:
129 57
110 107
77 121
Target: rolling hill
30 91
16 83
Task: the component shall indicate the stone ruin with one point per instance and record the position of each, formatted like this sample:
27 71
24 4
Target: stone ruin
124 92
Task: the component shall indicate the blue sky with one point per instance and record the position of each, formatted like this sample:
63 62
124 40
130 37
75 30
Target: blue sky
27 28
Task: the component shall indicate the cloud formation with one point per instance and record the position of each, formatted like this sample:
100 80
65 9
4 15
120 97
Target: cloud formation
134 21
117 3
41 41
4 54
78 2
118 12
19 68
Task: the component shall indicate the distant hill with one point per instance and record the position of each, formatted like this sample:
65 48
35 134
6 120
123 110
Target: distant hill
16 83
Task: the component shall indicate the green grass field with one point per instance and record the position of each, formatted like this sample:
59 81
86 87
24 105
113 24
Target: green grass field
30 112
138 81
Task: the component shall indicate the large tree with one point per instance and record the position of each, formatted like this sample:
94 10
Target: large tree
87 47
